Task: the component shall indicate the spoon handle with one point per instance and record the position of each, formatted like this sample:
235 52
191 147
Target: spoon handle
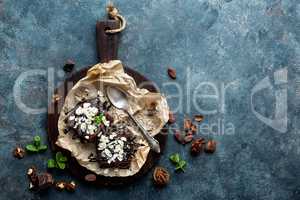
153 143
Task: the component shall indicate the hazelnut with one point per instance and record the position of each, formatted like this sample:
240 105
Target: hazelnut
70 186
161 176
19 152
172 73
198 118
60 185
197 146
33 177
210 146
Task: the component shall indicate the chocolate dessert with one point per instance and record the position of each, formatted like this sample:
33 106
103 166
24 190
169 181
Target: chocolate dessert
115 147
87 119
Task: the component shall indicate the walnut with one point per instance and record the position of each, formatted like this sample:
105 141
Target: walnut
161 176
210 146
197 146
19 153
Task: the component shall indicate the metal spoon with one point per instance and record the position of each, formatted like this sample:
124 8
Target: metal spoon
119 100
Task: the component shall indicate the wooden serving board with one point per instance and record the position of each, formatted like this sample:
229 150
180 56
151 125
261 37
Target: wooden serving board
107 50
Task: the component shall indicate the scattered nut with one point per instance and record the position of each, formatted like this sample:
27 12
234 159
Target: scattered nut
172 73
197 146
210 146
60 185
172 118
161 176
33 177
183 138
39 181
188 139
179 137
90 177
198 118
69 65
70 186
19 152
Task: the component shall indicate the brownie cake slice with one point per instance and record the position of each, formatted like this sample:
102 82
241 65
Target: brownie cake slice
87 119
115 147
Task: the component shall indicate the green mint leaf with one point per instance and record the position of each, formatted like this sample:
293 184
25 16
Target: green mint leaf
61 165
182 164
58 155
98 119
175 158
43 148
31 148
179 168
63 159
51 163
37 141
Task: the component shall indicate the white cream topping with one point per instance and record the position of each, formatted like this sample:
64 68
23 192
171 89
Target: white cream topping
112 147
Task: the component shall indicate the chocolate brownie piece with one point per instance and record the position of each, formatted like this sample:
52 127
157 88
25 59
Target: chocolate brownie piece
87 119
115 147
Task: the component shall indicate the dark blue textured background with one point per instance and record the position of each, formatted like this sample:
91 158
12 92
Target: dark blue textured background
219 41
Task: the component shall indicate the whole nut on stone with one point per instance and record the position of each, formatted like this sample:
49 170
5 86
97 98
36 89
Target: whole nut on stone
197 146
210 146
33 177
19 152
70 186
171 72
161 176
60 185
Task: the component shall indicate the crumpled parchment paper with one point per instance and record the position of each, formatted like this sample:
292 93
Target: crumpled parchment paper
97 78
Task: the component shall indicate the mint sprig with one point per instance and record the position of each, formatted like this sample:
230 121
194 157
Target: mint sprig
59 162
179 163
99 119
36 145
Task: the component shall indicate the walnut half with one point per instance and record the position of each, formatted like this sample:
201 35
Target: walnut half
161 176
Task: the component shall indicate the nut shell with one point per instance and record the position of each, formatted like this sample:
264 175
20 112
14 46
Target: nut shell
210 146
197 146
161 176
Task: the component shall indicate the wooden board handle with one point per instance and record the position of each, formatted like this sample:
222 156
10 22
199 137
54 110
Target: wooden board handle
107 44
